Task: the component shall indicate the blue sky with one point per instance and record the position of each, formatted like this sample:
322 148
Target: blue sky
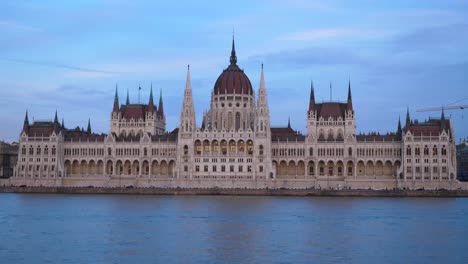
69 56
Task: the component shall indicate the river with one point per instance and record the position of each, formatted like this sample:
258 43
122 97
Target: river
64 228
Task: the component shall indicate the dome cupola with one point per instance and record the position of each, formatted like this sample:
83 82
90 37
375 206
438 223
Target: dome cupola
233 80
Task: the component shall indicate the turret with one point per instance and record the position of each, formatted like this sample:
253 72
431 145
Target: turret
442 120
408 120
116 101
26 123
312 98
151 102
128 99
88 130
160 106
399 129
350 101
233 58
263 111
187 115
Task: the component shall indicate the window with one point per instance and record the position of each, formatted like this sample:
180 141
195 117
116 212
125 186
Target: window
444 151
408 151
186 150
231 168
417 151
426 150
240 168
197 168
260 150
205 168
38 152
214 168
23 150
185 168
260 169
434 151
223 168
249 168
53 150
311 152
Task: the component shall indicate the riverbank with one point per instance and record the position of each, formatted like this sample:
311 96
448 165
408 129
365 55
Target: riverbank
241 192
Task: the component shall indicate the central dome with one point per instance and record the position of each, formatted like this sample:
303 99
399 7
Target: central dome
233 80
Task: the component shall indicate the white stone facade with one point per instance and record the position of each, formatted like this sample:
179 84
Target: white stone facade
236 148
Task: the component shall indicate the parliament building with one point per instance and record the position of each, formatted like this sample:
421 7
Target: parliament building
235 147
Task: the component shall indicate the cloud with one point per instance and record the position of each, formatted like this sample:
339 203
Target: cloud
319 34
311 56
432 37
58 65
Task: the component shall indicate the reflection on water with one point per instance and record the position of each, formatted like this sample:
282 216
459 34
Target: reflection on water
212 229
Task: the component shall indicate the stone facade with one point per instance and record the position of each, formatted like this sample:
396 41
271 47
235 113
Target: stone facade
235 147
8 159
462 161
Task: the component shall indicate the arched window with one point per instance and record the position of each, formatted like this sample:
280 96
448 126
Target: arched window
186 150
238 120
53 150
250 147
435 151
408 151
23 150
311 151
426 150
350 152
260 149
444 151
38 152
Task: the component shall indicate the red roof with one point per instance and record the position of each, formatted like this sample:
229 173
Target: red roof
233 80
433 127
135 111
331 109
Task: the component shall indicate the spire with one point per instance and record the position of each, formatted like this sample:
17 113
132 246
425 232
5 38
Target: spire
289 122
26 123
160 106
442 119
56 117
187 115
233 58
116 100
399 127
88 130
350 101
408 120
312 97
151 102
128 99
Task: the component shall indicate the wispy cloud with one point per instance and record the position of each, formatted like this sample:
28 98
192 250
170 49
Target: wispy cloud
317 34
58 65
311 56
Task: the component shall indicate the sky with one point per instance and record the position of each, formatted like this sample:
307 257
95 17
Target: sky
69 55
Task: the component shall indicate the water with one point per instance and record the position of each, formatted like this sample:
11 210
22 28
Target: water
42 228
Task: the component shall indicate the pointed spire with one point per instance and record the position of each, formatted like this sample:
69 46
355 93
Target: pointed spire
289 122
26 123
399 127
350 100
88 130
408 120
442 119
56 117
116 100
128 98
312 97
160 106
233 58
187 115
151 102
